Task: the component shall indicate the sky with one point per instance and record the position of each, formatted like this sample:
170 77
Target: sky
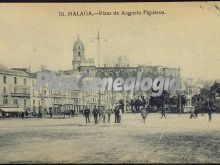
187 36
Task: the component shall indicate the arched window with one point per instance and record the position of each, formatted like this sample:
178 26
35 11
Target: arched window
5 101
15 102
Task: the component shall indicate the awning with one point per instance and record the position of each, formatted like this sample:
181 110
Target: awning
12 109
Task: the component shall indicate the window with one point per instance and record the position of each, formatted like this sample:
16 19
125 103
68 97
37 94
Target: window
4 79
25 103
15 89
33 102
78 53
24 90
4 90
15 102
15 80
25 81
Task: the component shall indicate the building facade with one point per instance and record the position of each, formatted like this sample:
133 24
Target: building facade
18 85
14 88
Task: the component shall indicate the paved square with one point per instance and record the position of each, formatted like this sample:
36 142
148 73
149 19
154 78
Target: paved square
176 139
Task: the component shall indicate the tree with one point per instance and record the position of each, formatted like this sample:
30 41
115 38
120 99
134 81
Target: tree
161 100
183 100
174 100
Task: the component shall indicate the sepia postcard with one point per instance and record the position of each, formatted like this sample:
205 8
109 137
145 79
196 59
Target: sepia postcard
110 83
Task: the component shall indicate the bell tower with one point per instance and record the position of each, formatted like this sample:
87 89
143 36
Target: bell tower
78 53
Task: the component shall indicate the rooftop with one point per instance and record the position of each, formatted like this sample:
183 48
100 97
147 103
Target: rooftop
13 72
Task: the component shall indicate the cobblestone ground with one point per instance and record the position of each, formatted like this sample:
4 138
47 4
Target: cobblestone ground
176 139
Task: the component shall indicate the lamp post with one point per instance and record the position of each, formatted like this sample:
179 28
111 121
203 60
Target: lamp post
98 38
180 105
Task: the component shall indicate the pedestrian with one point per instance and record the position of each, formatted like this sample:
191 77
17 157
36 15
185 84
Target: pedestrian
34 113
39 113
87 114
154 109
104 114
210 113
143 115
100 110
163 112
116 111
95 114
109 111
192 115
3 114
50 112
22 115
119 115
74 112
196 112
26 114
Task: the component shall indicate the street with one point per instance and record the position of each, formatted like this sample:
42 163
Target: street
176 139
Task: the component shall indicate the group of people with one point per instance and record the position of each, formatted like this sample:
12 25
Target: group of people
101 113
14 114
194 113
24 114
144 113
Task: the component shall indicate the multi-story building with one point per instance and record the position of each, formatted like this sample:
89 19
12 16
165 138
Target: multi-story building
18 85
14 88
82 64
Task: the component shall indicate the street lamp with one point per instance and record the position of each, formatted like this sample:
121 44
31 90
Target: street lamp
98 38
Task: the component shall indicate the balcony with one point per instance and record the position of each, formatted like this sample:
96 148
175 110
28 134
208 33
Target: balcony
21 92
5 94
16 94
59 95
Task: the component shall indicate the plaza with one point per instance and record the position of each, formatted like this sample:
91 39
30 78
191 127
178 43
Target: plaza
65 68
176 139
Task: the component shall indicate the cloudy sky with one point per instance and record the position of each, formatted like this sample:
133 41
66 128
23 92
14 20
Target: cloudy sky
187 36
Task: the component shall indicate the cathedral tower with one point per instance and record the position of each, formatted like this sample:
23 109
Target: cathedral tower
78 53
